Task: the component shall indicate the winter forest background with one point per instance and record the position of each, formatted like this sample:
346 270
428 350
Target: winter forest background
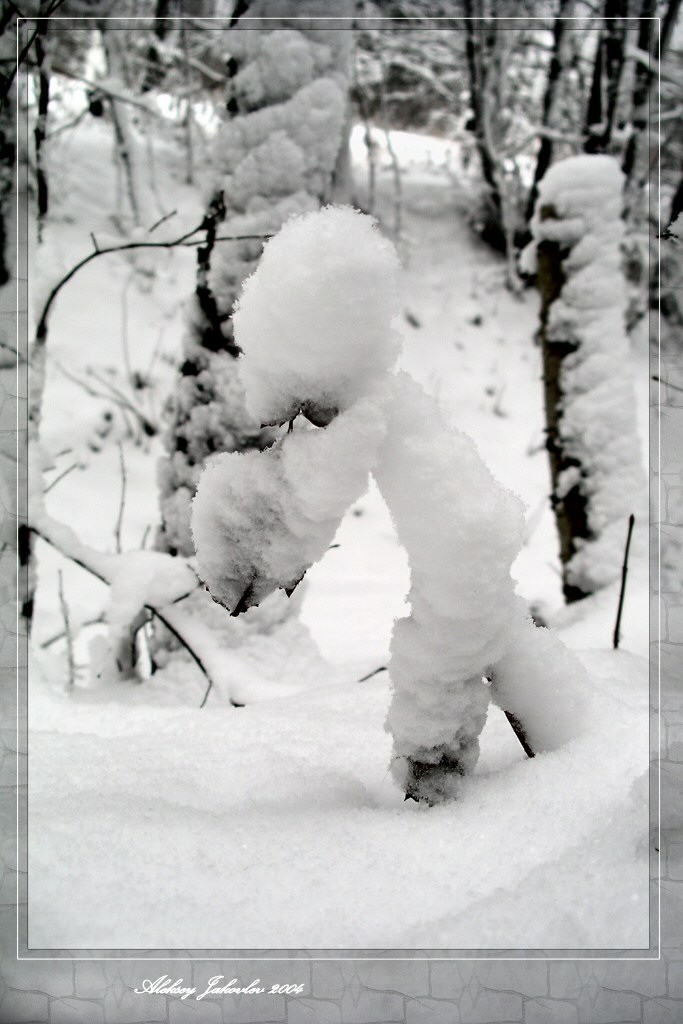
415 712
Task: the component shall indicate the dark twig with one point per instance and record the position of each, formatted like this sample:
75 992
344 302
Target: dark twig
666 383
624 573
60 636
162 220
122 502
382 668
181 640
518 730
515 724
65 472
112 394
67 634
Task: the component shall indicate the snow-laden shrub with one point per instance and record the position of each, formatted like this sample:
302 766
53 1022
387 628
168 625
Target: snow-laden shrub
598 480
274 157
315 324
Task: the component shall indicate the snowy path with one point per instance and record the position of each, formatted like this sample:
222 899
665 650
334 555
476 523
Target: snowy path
277 826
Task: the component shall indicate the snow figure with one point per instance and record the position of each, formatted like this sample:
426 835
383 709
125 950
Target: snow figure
597 475
277 154
315 326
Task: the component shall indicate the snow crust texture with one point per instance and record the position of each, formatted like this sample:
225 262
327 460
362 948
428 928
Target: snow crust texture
580 206
260 519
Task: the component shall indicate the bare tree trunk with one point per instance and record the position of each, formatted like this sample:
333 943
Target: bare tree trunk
635 164
545 151
477 70
154 72
604 94
189 147
125 142
40 130
641 89
594 108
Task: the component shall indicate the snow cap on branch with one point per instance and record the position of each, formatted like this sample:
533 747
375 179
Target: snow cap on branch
261 519
314 324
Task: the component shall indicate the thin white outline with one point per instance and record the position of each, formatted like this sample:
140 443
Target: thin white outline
17 567
659 490
304 958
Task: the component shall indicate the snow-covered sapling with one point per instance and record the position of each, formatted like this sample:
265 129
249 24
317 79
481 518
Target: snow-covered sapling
596 469
315 327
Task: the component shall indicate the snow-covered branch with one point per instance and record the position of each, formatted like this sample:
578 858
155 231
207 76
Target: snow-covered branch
140 580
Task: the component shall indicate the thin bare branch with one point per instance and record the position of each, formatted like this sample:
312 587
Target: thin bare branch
122 501
184 240
65 472
71 678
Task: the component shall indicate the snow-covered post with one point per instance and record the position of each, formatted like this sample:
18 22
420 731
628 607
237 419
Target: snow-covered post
315 327
596 470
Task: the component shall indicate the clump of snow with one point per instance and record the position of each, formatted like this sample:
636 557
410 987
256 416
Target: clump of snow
579 207
304 342
260 519
139 578
315 324
543 684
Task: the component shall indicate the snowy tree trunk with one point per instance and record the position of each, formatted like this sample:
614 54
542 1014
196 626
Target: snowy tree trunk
597 478
477 65
126 145
280 153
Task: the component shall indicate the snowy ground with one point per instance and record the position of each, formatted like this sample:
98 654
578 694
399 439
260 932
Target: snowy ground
155 824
